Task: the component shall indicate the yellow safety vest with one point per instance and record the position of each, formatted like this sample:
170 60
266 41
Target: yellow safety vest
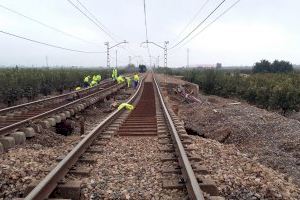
127 106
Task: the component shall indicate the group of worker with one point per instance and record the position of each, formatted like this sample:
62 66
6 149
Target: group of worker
90 81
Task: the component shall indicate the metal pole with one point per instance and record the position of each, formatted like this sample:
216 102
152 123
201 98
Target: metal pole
116 58
187 57
129 59
107 54
47 61
166 54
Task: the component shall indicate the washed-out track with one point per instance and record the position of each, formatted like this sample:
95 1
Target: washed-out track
151 118
16 117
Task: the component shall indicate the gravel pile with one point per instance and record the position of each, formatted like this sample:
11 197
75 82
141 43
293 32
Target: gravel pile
270 138
129 168
24 164
239 177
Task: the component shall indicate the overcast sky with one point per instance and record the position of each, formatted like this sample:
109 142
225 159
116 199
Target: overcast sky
249 32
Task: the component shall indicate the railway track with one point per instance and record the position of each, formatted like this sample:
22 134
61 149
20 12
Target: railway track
25 120
151 118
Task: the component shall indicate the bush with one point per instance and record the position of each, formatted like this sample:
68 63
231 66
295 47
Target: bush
279 91
17 83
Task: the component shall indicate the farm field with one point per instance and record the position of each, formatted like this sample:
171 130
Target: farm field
19 85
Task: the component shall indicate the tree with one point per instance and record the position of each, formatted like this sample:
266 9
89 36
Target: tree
142 68
263 66
281 66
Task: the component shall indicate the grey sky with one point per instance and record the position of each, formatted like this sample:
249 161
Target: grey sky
252 30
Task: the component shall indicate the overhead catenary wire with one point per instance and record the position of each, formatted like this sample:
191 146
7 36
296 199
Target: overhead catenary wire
192 20
90 19
107 31
217 18
47 44
47 26
146 29
190 33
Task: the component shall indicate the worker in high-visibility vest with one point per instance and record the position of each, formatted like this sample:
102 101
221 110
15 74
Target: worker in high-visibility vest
93 83
120 79
128 79
95 78
114 74
86 81
98 78
78 88
136 80
127 106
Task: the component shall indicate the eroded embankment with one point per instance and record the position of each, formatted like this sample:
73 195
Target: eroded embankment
263 138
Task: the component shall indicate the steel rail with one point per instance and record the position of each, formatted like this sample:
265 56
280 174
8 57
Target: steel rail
49 183
53 98
192 185
4 130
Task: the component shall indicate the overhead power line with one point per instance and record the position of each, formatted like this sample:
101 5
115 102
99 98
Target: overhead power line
97 20
146 29
218 17
193 19
47 44
46 25
93 21
145 16
183 39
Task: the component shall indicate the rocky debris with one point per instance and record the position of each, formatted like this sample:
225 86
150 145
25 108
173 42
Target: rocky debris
240 177
269 137
128 168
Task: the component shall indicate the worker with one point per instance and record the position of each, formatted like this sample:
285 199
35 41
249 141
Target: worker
120 79
86 81
128 79
136 79
93 83
78 88
98 77
127 106
114 74
95 78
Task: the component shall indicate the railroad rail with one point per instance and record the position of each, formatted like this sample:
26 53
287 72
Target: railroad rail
14 117
151 117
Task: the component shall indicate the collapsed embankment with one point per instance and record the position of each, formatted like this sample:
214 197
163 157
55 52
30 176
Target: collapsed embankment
264 137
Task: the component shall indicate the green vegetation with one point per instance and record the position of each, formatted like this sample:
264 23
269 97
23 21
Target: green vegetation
17 83
265 66
278 91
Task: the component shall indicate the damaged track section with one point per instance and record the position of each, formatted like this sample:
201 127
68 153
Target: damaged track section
192 172
24 121
54 179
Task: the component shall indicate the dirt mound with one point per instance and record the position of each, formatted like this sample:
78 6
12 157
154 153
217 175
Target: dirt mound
268 137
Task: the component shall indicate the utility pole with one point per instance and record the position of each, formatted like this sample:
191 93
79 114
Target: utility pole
165 48
108 48
116 58
157 61
166 54
47 61
129 57
107 54
188 57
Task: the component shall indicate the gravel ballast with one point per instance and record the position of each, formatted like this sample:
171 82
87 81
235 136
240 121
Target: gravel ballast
129 168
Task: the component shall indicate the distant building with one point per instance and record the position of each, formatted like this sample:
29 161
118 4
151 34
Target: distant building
219 65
